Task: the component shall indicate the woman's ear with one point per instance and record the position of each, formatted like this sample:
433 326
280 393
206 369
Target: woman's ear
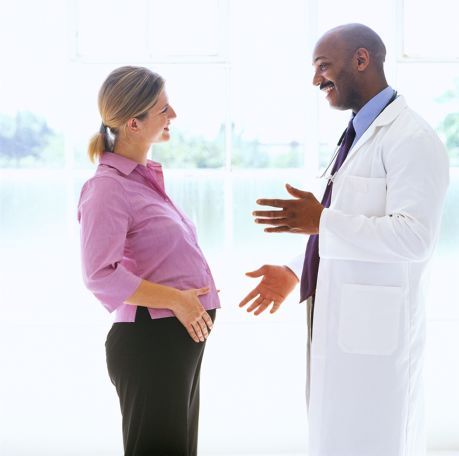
133 124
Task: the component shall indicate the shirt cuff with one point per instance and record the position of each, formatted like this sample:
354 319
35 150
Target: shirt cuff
296 265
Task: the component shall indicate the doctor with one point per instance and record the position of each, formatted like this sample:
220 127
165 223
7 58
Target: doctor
371 238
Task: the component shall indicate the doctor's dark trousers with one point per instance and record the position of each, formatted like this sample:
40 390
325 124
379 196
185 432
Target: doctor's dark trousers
155 367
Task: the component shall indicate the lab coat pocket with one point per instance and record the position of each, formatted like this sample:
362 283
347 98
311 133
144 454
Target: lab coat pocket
369 319
363 195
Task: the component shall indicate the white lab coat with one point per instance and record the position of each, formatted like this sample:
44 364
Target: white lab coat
369 323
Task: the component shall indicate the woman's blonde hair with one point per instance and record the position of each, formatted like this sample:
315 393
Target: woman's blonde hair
127 92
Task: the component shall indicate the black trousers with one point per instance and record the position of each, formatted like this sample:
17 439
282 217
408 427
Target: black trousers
155 367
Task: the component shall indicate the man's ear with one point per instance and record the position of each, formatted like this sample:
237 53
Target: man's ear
362 57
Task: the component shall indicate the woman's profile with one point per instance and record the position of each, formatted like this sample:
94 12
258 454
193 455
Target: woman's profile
141 259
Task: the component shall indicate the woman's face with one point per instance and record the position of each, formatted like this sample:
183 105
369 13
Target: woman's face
155 126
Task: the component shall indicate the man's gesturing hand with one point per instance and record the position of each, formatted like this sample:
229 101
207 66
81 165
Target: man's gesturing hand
275 286
300 215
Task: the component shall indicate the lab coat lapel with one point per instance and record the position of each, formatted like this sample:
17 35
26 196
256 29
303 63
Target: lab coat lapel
385 118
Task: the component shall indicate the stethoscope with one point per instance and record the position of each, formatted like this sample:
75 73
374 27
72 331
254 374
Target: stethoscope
330 177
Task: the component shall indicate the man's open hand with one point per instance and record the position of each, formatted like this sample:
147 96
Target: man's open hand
299 215
276 284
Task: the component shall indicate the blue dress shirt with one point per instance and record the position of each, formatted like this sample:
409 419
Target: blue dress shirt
365 117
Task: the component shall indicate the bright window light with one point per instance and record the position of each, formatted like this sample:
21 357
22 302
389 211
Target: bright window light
430 30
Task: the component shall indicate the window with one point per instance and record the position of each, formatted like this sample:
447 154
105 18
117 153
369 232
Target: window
238 73
427 36
111 30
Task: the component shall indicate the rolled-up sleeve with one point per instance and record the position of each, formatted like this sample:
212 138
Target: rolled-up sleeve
104 216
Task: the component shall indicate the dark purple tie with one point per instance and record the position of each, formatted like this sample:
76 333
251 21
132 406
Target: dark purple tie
311 257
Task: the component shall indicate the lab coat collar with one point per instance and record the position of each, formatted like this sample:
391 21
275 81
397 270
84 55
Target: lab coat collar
385 118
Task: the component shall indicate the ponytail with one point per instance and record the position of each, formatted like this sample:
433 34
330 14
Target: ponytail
96 147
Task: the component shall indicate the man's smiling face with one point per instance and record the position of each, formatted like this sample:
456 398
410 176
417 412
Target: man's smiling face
334 73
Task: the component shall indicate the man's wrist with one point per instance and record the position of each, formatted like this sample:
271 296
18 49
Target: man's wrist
322 209
291 271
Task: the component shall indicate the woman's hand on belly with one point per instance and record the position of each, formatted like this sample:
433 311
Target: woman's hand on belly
190 312
185 304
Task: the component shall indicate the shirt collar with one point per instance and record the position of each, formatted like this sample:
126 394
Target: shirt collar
117 161
125 165
366 115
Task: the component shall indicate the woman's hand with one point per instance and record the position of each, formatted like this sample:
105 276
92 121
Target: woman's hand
189 311
185 305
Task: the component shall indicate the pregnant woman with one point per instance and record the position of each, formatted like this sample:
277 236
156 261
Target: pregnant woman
141 259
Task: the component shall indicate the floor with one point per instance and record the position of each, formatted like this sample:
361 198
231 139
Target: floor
434 453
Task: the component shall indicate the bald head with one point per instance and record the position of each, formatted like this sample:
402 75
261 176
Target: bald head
350 37
349 65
